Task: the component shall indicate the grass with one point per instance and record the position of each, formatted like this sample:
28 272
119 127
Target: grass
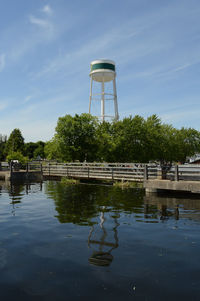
68 181
127 184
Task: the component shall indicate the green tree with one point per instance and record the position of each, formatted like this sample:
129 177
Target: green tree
153 138
34 149
105 142
133 139
76 137
39 150
52 150
3 140
15 142
129 136
188 143
29 149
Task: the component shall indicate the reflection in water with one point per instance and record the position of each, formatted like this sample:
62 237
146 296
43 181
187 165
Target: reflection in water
103 257
101 209
160 211
17 190
158 237
81 204
16 194
98 207
172 207
75 205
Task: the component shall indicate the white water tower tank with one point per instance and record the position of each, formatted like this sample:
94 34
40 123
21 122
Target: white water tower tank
103 71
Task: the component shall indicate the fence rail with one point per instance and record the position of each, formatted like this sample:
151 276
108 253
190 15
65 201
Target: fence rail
184 172
113 171
4 166
109 171
122 171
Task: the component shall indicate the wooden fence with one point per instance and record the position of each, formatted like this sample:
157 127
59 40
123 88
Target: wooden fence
109 171
188 172
4 166
101 171
121 171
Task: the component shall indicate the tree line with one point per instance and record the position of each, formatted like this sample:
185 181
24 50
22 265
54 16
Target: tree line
14 148
133 139
84 138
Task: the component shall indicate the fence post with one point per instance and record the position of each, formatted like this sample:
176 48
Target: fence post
145 172
49 169
41 168
88 172
112 173
176 175
27 167
11 169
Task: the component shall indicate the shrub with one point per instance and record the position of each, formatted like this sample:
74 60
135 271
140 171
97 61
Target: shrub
17 156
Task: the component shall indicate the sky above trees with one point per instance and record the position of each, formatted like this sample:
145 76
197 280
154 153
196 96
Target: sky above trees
46 48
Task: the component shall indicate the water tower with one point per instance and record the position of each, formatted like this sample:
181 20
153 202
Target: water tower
103 72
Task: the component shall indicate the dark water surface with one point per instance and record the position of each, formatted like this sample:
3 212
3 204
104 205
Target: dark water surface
88 242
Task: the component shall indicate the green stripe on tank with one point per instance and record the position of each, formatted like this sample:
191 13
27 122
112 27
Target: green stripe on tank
102 66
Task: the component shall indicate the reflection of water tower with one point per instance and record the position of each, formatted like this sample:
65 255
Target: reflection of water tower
103 72
102 255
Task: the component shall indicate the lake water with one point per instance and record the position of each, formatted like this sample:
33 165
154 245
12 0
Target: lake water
89 242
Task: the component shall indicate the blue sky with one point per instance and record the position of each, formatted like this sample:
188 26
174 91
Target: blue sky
46 48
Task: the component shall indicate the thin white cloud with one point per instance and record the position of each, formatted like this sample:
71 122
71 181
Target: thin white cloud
168 73
27 98
40 22
2 61
151 47
162 71
89 49
126 44
47 10
179 116
179 68
44 31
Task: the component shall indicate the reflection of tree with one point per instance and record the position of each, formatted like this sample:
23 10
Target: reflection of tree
17 190
160 211
15 193
72 203
80 204
84 204
150 212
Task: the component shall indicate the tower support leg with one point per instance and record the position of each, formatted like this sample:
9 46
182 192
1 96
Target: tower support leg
115 100
90 95
102 102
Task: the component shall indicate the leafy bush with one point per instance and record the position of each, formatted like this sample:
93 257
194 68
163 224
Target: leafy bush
17 156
